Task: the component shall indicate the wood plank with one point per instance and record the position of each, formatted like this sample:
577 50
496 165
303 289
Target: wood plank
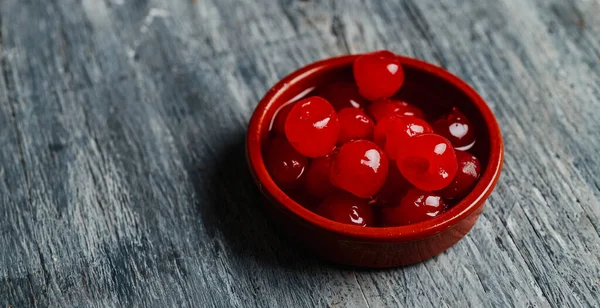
122 145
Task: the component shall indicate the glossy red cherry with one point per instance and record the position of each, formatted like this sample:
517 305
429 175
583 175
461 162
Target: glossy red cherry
354 124
360 167
280 117
312 127
393 190
468 172
427 161
391 133
343 94
346 208
457 129
317 182
285 165
378 75
415 206
382 109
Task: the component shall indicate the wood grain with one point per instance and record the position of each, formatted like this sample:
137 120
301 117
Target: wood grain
122 165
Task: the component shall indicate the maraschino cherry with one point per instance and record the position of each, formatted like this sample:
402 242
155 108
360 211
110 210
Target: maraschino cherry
416 206
469 169
378 75
312 127
354 124
457 129
346 208
428 161
360 167
285 165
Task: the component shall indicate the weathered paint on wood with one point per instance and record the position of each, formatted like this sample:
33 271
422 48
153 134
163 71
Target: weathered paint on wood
121 151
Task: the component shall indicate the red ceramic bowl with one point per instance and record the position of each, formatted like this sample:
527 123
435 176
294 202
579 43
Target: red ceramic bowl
433 89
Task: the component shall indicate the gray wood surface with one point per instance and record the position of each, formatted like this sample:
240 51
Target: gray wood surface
122 126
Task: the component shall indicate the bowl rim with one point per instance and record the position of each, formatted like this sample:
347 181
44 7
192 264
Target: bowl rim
446 220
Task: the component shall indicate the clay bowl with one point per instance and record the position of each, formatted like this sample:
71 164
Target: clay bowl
428 86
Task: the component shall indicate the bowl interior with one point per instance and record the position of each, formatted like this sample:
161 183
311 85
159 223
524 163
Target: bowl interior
431 88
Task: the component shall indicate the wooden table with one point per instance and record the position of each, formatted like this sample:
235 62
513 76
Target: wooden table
123 179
